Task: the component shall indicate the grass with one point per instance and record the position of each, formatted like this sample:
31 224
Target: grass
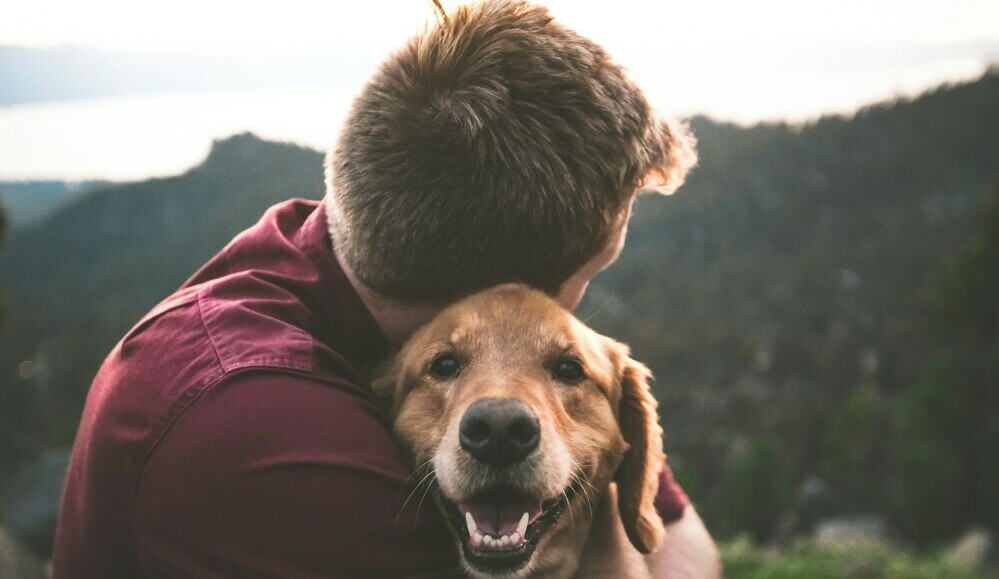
743 560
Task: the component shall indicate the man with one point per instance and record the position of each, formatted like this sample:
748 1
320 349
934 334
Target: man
233 432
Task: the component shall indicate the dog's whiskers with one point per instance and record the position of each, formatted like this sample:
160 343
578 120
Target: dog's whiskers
572 519
414 474
579 491
587 482
429 486
590 492
430 473
582 490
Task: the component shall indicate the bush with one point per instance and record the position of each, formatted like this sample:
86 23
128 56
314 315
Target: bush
743 560
755 490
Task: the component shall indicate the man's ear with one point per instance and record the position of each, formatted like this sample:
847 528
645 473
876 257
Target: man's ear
638 476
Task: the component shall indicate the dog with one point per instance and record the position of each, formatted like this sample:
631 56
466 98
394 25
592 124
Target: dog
522 421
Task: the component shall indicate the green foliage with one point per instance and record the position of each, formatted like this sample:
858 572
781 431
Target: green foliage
695 489
754 490
743 560
967 294
948 434
855 444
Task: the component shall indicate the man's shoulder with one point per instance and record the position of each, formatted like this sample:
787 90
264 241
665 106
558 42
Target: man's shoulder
187 344
254 324
197 336
267 469
274 416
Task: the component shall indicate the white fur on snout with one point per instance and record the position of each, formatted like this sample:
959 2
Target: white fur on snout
545 473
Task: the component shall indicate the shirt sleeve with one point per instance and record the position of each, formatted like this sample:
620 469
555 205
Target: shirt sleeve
273 475
670 500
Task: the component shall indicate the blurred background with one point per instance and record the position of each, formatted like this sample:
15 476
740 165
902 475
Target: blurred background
820 302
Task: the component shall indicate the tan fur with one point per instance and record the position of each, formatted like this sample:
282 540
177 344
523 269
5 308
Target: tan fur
604 428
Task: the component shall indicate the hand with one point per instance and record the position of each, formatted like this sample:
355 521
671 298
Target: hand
687 552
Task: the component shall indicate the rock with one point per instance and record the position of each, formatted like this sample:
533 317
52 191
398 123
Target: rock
16 562
975 549
863 531
31 505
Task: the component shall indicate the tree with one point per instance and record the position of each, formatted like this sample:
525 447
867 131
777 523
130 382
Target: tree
948 428
755 490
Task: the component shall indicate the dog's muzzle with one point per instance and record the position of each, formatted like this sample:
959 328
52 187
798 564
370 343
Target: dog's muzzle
499 432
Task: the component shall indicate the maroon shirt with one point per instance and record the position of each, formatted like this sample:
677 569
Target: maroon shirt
232 431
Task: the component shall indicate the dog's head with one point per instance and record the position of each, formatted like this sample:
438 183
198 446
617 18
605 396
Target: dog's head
523 413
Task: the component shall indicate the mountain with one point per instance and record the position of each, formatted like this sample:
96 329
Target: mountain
27 202
782 297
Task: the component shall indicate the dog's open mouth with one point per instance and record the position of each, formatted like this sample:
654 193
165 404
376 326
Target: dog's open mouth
499 529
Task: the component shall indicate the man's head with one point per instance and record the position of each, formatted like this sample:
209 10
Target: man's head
497 146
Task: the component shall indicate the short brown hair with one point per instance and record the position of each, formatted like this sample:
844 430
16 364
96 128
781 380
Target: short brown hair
496 146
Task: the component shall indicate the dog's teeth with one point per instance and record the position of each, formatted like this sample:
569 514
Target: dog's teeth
481 540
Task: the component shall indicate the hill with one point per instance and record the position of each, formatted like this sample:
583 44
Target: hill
781 297
27 202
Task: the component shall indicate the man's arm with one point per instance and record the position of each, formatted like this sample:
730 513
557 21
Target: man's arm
687 552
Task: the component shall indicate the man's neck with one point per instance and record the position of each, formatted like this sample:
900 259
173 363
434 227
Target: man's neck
397 319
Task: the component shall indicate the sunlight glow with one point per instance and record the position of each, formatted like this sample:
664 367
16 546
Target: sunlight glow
740 61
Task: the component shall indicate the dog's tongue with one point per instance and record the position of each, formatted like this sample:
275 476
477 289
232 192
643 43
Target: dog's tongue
500 516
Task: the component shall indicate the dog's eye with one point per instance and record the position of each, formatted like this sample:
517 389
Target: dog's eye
444 367
568 370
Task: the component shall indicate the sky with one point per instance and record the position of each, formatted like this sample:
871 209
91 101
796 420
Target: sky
741 61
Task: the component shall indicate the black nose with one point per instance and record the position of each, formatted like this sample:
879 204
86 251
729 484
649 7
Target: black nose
499 431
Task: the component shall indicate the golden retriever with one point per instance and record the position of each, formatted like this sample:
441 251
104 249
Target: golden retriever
522 419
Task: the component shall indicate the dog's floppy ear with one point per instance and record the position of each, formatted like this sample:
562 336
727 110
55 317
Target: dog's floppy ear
638 475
